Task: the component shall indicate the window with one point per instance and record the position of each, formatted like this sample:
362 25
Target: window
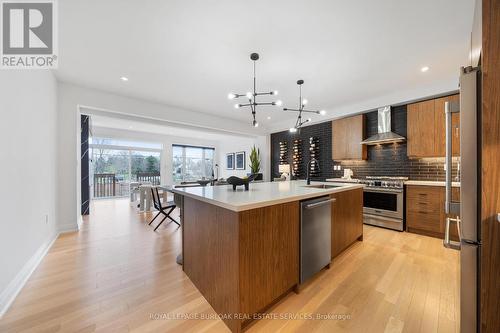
191 163
114 165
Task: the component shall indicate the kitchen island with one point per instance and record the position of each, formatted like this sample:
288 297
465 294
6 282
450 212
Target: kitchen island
241 248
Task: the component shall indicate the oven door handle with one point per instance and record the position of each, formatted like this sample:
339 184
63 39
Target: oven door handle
382 190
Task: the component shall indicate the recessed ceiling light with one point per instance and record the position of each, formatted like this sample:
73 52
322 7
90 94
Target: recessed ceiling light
424 69
268 118
124 78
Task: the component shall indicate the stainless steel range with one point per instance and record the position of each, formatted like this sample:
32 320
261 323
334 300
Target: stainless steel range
383 202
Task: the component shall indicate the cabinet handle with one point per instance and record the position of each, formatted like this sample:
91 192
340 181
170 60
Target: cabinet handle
449 108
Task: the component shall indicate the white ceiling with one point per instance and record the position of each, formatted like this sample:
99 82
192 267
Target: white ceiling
191 54
129 124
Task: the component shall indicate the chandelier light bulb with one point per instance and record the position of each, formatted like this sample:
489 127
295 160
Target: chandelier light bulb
304 101
274 92
309 119
236 106
322 112
293 130
249 95
255 123
278 102
231 96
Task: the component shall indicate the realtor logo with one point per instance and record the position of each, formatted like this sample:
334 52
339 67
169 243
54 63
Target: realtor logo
28 34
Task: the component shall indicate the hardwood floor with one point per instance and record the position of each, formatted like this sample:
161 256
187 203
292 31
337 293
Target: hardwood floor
116 273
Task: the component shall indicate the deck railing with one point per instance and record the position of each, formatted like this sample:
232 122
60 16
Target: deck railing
104 185
153 177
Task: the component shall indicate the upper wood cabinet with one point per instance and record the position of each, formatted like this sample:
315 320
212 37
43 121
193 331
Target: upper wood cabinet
440 145
426 128
347 134
421 129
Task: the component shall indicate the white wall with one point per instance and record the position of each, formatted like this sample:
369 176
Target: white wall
71 98
28 165
235 146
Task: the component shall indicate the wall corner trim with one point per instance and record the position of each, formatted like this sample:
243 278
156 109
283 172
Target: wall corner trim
10 293
79 223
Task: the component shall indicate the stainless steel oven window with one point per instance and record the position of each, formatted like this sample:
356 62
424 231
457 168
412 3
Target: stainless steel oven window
383 202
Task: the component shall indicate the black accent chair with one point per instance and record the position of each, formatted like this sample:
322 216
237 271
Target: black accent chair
165 208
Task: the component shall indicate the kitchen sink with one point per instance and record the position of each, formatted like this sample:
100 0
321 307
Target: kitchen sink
323 186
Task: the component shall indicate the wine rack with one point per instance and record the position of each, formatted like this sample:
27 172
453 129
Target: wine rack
314 169
297 157
283 152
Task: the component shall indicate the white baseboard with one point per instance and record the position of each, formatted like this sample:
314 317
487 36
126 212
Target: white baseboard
9 294
64 228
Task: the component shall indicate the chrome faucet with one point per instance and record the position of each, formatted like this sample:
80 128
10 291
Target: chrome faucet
308 175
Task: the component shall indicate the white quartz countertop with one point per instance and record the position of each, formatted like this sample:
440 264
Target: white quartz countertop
429 183
260 194
342 180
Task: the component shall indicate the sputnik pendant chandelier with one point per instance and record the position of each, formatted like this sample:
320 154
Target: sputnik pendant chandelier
301 110
252 96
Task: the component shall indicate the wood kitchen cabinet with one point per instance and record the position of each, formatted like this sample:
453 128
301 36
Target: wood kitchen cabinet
420 129
440 143
347 219
426 128
425 210
347 134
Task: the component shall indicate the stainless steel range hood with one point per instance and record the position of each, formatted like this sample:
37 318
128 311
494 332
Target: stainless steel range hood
384 134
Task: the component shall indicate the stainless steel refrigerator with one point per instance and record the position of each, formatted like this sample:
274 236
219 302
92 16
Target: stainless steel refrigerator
466 212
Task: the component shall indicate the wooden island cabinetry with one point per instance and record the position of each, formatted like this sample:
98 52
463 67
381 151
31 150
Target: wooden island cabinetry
241 262
347 220
243 253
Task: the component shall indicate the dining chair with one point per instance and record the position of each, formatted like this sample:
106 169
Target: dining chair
165 208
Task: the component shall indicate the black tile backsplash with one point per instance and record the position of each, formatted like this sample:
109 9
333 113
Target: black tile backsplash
323 131
383 160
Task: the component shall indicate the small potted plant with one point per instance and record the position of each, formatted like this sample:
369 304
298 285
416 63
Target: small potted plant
255 163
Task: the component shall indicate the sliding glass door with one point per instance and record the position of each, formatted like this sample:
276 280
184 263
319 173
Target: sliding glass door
191 163
113 168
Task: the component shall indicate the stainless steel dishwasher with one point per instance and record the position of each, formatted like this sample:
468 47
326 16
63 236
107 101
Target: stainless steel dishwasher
315 236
